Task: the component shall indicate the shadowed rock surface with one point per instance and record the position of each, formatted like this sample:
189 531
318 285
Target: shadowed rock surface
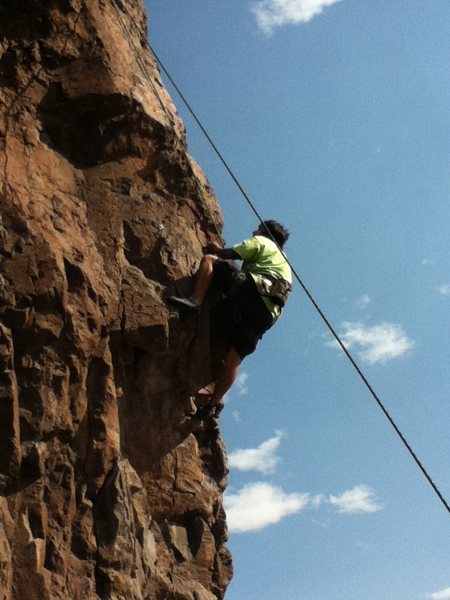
105 492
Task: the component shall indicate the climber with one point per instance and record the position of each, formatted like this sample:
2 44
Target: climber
259 290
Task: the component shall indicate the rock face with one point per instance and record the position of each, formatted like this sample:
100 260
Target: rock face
105 492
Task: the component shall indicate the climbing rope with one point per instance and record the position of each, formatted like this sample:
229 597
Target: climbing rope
298 278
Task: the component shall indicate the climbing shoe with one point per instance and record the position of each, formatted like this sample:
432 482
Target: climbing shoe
203 412
209 418
211 414
183 302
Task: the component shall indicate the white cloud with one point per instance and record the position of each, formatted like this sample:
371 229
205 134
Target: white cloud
444 289
241 383
377 343
236 416
240 386
362 302
262 458
360 499
276 13
260 504
427 262
442 595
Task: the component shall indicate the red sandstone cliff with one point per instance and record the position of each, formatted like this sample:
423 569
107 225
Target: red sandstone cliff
103 493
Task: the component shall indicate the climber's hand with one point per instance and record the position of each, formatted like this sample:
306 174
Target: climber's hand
211 248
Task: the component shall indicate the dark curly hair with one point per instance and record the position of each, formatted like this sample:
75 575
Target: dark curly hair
279 233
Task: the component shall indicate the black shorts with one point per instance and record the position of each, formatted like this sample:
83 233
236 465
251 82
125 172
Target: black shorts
251 318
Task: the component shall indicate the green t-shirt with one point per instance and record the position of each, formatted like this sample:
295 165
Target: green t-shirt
261 256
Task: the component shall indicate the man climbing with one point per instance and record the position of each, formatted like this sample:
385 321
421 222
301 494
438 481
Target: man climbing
259 290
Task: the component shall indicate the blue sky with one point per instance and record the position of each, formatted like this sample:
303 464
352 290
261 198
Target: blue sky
334 114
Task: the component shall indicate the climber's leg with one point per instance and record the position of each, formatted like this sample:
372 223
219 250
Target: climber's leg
227 376
202 280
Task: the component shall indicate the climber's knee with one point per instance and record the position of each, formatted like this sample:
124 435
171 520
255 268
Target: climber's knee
208 261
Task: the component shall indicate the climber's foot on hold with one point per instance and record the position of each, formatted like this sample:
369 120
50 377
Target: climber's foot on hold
187 303
203 412
209 414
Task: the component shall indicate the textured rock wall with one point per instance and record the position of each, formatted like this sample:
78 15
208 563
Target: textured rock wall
104 490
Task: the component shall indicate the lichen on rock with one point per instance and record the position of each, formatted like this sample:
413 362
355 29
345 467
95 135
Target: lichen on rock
105 492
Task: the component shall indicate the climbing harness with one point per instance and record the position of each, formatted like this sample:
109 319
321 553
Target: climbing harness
119 3
276 289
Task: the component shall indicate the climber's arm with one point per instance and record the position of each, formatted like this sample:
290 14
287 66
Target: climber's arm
225 253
